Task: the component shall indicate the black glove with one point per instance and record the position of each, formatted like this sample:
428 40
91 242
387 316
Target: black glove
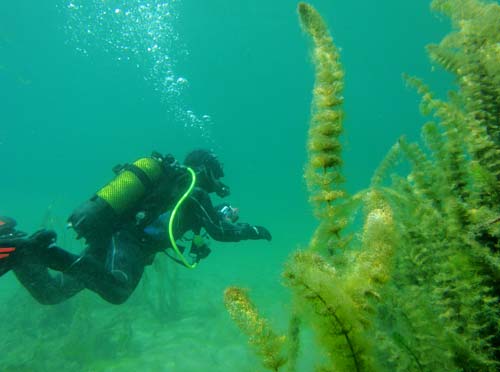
260 232
200 251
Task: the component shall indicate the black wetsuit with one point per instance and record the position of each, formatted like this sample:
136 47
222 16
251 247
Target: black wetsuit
113 264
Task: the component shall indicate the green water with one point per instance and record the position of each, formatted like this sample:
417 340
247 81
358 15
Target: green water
85 85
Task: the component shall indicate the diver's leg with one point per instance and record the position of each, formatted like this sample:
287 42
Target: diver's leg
46 288
116 278
126 260
26 257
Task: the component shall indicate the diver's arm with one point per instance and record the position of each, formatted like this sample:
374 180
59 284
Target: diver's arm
200 205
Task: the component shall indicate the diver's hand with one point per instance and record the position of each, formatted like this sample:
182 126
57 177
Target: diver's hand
254 232
200 251
262 233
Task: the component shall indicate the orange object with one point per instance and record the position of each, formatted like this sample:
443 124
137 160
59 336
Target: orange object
4 252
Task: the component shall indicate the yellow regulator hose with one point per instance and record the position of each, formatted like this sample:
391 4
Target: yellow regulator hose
171 220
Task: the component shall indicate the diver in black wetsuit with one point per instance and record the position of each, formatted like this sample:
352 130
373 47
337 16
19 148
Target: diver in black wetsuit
125 229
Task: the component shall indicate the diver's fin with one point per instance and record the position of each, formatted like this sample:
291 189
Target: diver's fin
5 263
4 251
7 226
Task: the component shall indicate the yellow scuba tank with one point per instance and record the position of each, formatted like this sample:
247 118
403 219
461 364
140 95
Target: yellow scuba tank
121 197
131 184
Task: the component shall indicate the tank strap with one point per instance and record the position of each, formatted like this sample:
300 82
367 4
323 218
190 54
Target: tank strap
140 174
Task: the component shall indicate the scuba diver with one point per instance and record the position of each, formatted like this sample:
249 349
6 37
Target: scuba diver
144 210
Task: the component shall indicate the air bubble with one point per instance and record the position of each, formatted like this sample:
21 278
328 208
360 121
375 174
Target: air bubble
143 34
182 80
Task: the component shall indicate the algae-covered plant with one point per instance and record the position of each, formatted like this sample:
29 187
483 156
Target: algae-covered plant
416 289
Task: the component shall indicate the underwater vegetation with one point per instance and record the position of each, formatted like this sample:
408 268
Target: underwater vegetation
417 287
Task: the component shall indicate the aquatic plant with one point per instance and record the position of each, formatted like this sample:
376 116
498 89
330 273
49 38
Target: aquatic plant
266 343
416 289
161 290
